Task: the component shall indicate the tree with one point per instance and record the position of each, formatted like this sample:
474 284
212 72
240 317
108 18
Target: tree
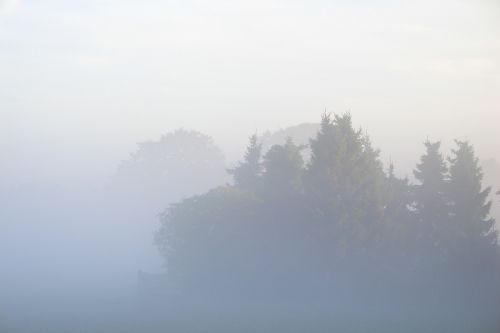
398 221
472 225
343 183
283 167
398 197
180 164
160 172
247 174
430 204
206 240
300 134
340 224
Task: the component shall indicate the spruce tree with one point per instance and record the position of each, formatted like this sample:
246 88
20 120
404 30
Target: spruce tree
283 169
472 225
344 183
247 174
397 218
430 204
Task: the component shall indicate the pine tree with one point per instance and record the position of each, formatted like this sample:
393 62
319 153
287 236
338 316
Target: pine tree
247 174
473 227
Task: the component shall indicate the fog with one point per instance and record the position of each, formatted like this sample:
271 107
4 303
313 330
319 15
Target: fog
131 199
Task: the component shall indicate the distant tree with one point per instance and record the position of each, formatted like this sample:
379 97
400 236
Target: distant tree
431 204
399 221
247 173
472 225
283 167
398 197
179 164
300 134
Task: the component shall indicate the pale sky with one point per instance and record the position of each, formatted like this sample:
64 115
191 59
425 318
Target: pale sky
82 81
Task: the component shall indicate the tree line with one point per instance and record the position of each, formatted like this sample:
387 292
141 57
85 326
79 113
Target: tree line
342 219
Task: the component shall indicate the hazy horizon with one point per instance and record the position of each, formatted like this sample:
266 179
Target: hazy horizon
94 172
83 82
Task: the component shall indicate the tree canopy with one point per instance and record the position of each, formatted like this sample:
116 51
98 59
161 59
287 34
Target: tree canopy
181 163
341 218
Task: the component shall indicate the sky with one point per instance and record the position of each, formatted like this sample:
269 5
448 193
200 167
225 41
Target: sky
82 81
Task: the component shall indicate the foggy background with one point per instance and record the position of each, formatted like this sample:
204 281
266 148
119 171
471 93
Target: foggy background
82 82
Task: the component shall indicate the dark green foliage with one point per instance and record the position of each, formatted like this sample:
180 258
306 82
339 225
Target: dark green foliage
431 204
399 222
338 221
283 167
200 232
248 172
344 183
301 135
475 240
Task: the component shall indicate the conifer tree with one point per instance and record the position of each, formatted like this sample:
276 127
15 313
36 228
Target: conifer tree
398 220
247 174
344 181
470 207
283 169
430 204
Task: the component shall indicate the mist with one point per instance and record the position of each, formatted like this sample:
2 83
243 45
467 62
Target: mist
132 200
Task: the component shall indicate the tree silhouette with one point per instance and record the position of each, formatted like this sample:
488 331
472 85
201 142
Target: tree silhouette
179 164
343 183
338 226
283 167
247 173
431 205
472 226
